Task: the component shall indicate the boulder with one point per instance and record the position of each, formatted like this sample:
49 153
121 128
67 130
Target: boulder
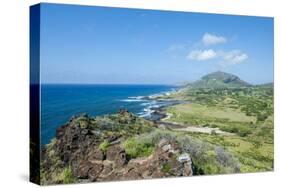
187 170
89 170
95 171
167 147
95 154
132 174
83 169
117 154
162 142
107 168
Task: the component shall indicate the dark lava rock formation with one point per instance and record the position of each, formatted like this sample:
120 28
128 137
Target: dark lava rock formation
90 149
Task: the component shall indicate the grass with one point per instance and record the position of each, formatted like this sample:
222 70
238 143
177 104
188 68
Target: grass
66 176
228 120
104 146
198 114
138 147
250 157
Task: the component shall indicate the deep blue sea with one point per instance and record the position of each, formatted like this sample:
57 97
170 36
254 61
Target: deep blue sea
60 102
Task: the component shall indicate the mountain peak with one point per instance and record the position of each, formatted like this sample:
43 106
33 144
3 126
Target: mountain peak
219 79
219 75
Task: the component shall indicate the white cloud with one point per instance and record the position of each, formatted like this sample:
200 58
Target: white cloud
202 55
234 56
205 53
211 39
224 57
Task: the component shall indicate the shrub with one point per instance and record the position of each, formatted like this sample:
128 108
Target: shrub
213 132
211 168
261 117
66 176
241 130
138 147
207 159
226 159
199 151
105 123
155 136
166 168
231 129
195 148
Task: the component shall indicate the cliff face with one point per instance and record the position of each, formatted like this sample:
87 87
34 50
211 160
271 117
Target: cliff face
101 149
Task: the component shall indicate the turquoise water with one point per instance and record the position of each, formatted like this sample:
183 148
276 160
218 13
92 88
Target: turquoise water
60 102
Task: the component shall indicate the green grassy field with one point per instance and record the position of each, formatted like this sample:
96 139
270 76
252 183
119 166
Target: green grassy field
245 112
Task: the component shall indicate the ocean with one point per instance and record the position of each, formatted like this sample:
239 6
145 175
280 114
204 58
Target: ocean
60 102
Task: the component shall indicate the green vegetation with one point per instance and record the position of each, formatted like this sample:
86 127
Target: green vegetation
120 125
59 173
205 157
219 80
104 145
66 176
138 147
166 168
247 112
252 157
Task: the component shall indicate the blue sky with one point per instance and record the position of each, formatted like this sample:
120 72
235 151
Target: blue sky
85 44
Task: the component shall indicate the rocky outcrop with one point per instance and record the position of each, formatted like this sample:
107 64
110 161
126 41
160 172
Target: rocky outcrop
164 162
93 149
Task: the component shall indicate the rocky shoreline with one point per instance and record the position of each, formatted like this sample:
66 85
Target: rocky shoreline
158 113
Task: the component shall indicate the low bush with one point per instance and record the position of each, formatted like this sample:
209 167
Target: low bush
226 159
138 147
166 168
67 176
104 145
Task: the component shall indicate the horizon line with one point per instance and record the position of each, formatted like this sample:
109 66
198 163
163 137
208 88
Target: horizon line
108 84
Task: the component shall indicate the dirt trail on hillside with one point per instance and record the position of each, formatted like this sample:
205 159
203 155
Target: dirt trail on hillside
189 128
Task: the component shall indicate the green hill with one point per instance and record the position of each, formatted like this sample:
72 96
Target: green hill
219 80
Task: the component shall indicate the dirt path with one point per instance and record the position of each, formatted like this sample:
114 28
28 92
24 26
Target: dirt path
189 128
207 130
